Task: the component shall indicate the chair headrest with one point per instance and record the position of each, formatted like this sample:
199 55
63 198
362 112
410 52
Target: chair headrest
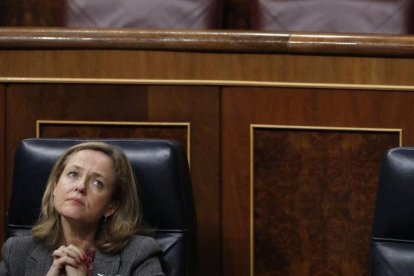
394 214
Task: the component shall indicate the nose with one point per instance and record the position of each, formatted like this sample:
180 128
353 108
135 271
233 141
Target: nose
80 185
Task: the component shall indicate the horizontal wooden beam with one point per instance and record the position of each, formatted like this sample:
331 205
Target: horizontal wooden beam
208 41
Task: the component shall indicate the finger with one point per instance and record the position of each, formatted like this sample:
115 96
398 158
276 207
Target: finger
69 251
59 252
67 260
76 252
60 263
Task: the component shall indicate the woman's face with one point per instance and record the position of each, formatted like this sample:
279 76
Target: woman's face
84 190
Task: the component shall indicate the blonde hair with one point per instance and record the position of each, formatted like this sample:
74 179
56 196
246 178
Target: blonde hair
112 235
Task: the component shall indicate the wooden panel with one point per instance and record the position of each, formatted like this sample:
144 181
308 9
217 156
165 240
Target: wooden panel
182 68
3 200
132 103
313 199
242 107
98 129
31 13
28 103
130 62
143 56
201 106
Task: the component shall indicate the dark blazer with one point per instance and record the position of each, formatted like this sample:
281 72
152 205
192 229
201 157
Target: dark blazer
25 256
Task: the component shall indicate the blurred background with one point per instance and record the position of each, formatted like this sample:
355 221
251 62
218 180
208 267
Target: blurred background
352 16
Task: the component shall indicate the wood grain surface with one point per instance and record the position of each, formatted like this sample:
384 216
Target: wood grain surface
313 199
3 168
205 68
109 130
300 108
220 83
209 40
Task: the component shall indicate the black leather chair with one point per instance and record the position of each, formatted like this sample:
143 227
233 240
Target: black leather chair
165 188
392 243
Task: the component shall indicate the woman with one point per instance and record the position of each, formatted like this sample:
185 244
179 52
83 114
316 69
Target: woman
90 214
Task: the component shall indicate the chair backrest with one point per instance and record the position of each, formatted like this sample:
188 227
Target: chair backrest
161 169
344 16
144 14
392 241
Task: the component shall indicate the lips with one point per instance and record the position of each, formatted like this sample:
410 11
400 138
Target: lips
76 200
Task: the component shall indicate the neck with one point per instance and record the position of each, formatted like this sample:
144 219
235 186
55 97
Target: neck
78 234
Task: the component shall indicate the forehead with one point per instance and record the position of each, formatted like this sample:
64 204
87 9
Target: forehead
91 159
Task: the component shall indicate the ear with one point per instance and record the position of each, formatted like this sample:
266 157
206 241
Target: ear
111 208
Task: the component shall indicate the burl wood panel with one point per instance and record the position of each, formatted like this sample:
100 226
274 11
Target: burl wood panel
3 193
313 203
133 103
243 106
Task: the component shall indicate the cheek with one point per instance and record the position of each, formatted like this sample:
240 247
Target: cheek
101 200
55 194
58 190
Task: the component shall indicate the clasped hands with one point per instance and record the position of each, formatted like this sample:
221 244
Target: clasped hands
70 261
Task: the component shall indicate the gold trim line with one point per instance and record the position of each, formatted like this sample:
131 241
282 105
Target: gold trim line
207 83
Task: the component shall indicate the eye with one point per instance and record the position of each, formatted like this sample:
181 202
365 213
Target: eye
97 184
72 174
